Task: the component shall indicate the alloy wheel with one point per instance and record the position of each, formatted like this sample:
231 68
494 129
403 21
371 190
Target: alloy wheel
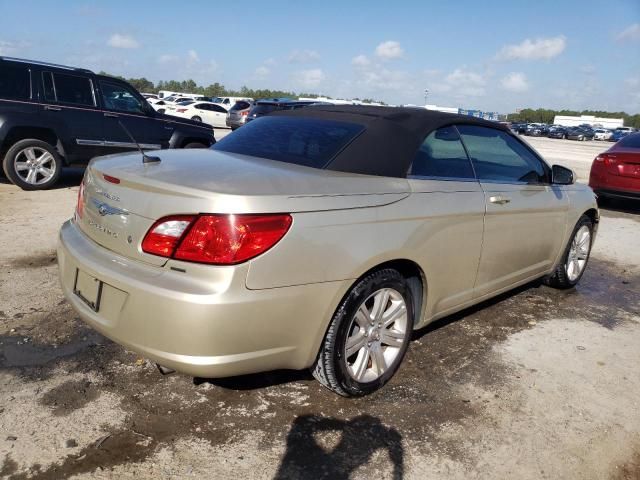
376 335
35 165
578 253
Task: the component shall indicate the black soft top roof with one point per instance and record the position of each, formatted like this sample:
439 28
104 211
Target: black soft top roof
391 137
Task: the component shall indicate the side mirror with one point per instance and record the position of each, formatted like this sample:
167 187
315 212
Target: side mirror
562 176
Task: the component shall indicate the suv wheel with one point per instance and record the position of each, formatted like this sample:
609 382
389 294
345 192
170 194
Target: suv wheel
368 335
195 145
32 164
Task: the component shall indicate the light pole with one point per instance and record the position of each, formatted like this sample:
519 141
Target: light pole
426 94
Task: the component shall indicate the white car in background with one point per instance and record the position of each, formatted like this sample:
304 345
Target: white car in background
208 112
602 134
228 102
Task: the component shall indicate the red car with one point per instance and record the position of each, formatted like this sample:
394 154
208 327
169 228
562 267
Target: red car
616 172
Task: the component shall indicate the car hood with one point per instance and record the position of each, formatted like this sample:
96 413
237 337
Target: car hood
199 180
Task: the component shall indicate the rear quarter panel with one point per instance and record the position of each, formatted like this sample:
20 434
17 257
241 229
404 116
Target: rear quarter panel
440 231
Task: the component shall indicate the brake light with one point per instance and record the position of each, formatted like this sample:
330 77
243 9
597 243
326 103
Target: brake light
164 235
245 113
607 159
80 204
216 239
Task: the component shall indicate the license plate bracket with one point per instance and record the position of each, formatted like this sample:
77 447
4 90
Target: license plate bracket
88 289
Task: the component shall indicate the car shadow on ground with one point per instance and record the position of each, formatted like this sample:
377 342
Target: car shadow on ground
620 206
326 447
256 381
70 177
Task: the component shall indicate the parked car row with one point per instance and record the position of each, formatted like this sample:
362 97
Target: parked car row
580 133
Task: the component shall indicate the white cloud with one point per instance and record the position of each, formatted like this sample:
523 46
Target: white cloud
11 48
389 50
262 72
303 56
118 40
309 78
631 33
515 82
167 58
360 61
187 65
540 48
464 83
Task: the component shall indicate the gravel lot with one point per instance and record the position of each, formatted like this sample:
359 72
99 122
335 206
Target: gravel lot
534 384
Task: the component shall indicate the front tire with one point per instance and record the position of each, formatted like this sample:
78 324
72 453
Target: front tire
368 335
575 257
32 164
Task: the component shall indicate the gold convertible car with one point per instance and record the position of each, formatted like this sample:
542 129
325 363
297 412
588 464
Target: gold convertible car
317 238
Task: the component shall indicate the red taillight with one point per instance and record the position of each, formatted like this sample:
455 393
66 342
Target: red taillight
245 113
80 204
216 239
111 179
164 235
608 160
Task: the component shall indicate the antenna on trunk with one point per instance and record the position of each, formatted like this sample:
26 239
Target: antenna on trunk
145 158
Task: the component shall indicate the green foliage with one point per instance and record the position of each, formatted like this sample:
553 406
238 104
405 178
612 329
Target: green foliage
543 115
214 90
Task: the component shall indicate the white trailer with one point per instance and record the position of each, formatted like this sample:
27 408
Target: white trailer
574 121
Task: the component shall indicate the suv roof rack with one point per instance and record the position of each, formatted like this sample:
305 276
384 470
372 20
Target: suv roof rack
46 64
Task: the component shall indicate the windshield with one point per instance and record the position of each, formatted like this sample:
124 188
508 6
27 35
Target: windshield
630 141
303 141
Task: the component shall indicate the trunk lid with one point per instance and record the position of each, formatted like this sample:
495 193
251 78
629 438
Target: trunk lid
626 162
118 215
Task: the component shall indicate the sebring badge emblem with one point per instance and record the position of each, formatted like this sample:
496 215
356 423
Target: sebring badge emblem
106 209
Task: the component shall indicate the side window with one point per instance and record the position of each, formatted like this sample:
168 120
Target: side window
203 106
498 157
15 81
442 156
49 90
120 99
73 89
218 108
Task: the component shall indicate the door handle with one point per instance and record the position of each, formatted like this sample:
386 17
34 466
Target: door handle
52 108
499 199
110 115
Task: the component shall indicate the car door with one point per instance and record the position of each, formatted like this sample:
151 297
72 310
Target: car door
125 112
217 116
525 217
69 104
450 202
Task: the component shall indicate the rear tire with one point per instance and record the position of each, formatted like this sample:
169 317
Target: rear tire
368 335
570 270
196 118
195 145
32 164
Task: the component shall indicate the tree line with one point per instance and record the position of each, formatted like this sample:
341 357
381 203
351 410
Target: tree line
213 90
544 115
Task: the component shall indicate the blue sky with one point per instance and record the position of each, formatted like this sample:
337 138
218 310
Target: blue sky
494 56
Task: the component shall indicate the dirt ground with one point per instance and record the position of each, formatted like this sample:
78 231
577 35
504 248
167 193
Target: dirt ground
535 384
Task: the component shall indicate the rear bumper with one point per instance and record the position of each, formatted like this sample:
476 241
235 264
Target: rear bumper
618 194
206 327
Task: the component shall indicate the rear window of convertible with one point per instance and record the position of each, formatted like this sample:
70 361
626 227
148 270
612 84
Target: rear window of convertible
304 141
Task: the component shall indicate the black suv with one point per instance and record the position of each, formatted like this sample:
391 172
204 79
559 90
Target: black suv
267 105
53 116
